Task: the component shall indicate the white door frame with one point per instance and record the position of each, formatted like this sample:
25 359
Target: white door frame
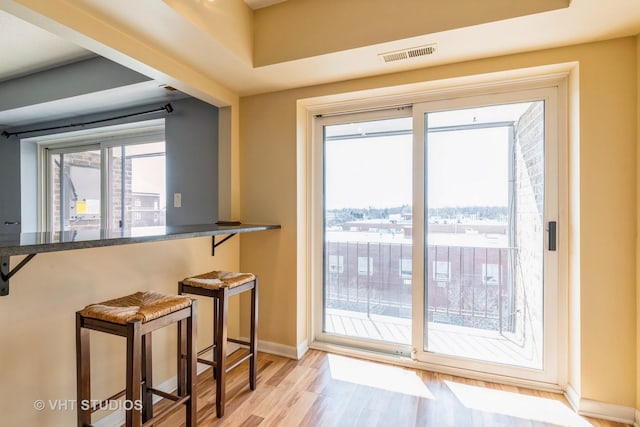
309 110
553 355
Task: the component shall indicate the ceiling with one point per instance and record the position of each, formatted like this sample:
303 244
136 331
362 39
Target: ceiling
27 48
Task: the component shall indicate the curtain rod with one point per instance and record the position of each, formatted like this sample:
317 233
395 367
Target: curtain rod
168 108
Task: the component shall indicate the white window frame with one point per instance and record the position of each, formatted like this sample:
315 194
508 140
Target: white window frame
102 139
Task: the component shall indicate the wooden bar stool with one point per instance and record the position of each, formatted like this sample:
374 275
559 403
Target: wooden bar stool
220 285
135 317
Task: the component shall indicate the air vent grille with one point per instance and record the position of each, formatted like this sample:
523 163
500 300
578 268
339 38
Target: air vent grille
414 52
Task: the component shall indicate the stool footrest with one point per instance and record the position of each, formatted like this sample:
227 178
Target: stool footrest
236 341
167 411
102 403
164 394
239 361
206 349
208 362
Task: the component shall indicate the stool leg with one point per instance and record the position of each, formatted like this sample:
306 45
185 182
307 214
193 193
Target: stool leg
253 341
191 371
182 348
221 350
182 351
134 374
215 322
147 378
83 373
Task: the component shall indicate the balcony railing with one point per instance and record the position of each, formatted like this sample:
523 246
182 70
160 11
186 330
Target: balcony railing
467 286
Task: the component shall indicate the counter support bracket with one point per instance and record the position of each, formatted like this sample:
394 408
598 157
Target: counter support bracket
214 245
6 273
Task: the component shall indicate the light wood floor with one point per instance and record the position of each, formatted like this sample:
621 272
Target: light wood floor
325 389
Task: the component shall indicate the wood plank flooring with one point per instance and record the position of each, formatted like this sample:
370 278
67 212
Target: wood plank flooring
324 389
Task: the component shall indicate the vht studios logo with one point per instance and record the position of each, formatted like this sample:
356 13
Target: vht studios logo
85 405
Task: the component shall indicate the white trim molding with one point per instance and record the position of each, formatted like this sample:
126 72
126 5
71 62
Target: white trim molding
602 410
287 351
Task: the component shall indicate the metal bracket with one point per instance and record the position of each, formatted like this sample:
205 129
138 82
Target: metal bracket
5 273
214 245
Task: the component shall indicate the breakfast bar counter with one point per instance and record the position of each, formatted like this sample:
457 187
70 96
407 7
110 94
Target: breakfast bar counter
31 244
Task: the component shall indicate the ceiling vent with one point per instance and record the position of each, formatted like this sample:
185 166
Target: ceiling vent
405 54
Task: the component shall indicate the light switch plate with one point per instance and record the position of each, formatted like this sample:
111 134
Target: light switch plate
177 200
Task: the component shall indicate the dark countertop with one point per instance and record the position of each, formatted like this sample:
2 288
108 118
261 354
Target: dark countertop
33 243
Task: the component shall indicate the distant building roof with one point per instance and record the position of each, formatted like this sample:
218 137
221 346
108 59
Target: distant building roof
478 240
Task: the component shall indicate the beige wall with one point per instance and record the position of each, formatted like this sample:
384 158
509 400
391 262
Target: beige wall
638 237
37 360
604 264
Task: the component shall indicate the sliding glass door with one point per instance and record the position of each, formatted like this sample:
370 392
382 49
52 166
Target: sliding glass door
437 235
488 291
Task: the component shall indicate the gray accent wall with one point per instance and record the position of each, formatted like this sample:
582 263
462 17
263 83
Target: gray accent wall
66 81
10 179
192 162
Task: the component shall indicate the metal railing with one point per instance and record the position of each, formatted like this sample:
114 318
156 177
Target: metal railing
467 286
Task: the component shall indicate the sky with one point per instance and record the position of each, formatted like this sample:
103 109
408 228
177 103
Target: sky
464 168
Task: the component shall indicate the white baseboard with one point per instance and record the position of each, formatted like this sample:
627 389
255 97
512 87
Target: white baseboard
572 397
303 347
602 410
117 418
287 351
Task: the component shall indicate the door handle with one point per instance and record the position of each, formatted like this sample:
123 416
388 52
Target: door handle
12 223
552 235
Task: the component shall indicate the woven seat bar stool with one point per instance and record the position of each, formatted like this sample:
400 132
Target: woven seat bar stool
135 317
220 285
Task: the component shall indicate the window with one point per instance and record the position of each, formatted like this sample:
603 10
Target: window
405 268
365 266
104 179
336 264
75 186
490 274
441 271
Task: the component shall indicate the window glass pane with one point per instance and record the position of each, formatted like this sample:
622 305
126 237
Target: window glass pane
137 185
145 181
75 190
367 196
116 193
485 194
